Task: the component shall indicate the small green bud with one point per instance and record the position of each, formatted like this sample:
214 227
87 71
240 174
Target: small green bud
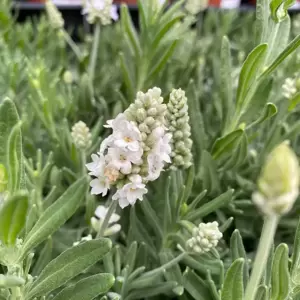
278 183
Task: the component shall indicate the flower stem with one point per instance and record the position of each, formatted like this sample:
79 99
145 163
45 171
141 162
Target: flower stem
83 162
111 210
265 243
72 45
94 54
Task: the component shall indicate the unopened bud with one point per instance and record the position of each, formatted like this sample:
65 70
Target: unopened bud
278 183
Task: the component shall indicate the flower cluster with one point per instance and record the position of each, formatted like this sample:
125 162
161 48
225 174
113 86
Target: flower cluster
289 88
205 237
54 15
100 10
193 7
278 184
178 124
81 136
136 151
97 221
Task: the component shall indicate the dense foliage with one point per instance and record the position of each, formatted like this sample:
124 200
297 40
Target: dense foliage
242 90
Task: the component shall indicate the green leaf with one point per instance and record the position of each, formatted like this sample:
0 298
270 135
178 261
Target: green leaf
88 288
13 214
213 205
226 80
130 30
279 9
195 285
249 72
155 290
209 174
163 30
292 46
68 265
269 111
56 215
295 265
262 293
294 101
238 251
11 145
233 284
280 279
128 81
262 17
278 38
227 143
165 56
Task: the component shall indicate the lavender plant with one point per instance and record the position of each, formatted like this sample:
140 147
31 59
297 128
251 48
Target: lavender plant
158 162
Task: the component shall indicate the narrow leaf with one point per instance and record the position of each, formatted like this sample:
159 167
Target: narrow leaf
68 265
56 215
233 285
280 279
88 288
13 214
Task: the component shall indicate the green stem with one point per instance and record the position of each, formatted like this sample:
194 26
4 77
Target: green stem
83 162
111 210
265 243
94 54
72 45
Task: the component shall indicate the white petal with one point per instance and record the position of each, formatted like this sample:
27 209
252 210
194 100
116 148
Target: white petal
101 212
112 230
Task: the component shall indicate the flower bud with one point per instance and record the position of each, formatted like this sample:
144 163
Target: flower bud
54 15
278 183
178 124
81 135
205 237
68 77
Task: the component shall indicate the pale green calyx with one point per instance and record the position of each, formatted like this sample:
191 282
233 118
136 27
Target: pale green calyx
278 184
54 15
205 237
178 124
81 136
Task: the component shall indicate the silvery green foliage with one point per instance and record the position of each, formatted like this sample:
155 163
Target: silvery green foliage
238 115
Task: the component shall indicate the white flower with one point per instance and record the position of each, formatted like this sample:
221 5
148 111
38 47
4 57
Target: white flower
205 237
289 88
125 135
96 167
155 166
122 160
101 212
97 221
100 185
130 192
102 10
160 153
84 239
